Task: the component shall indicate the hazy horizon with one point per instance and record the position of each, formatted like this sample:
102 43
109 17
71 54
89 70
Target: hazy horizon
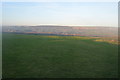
60 25
60 13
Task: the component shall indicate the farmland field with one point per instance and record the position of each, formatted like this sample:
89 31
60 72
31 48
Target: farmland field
42 56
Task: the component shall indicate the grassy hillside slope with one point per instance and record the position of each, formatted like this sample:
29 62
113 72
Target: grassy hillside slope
35 56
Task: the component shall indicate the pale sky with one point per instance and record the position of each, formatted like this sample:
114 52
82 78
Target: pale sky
60 13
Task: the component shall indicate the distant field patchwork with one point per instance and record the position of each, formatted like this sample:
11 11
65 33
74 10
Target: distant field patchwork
38 56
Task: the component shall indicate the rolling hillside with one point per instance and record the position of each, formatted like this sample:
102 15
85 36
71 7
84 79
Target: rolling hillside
39 56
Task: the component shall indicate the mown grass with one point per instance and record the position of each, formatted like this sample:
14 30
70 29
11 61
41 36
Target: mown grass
36 56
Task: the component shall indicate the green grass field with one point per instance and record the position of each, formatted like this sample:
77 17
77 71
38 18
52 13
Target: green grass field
37 56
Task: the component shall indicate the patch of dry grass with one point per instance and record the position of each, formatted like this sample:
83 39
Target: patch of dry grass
108 41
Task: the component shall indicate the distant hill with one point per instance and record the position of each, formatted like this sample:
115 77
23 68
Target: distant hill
64 30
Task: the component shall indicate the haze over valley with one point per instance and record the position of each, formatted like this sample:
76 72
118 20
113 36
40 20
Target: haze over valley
65 30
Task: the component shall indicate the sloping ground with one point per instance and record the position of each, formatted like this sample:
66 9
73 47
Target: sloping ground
35 56
111 40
